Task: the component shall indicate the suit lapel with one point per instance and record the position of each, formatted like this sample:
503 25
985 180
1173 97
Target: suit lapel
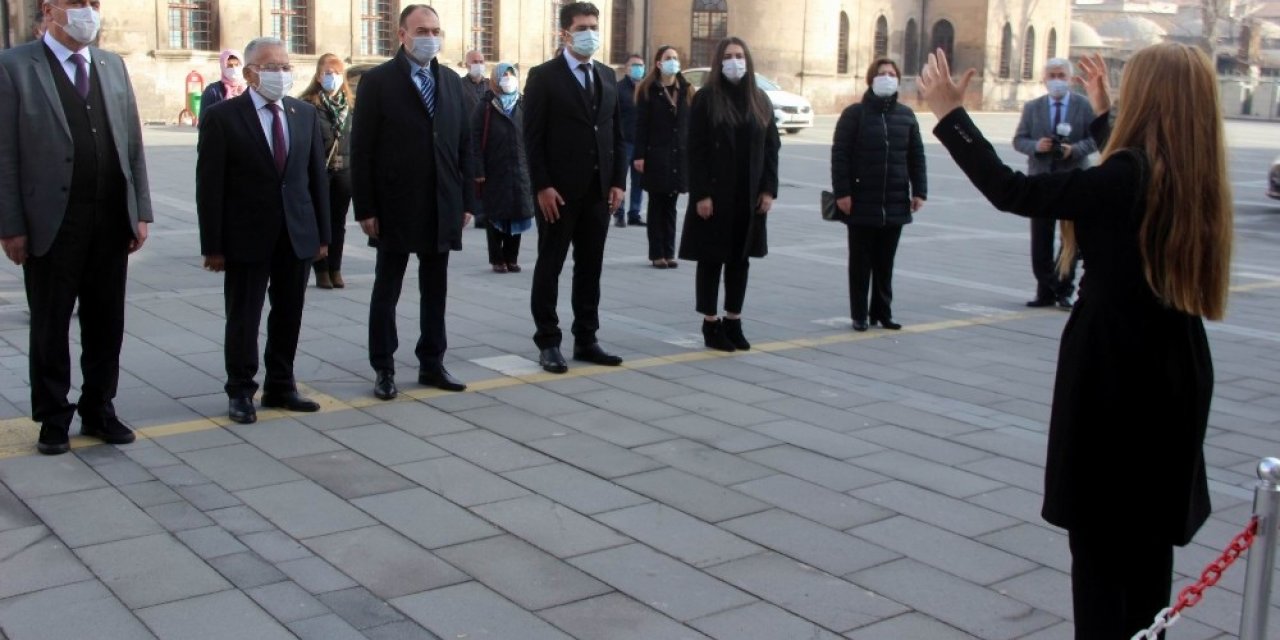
45 77
569 77
250 117
299 137
114 96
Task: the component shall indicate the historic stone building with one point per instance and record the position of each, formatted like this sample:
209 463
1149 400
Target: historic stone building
819 48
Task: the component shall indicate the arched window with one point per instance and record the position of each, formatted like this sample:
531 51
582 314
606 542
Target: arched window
911 49
944 37
484 27
1029 54
1052 50
1006 50
882 38
842 54
710 26
619 50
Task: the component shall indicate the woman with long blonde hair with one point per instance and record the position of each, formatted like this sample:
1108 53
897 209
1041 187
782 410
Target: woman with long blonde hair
1125 474
334 100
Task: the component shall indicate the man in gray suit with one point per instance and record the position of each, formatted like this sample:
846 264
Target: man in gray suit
1054 134
74 203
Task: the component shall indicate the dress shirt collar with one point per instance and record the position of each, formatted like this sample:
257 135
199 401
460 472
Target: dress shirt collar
61 52
574 62
258 101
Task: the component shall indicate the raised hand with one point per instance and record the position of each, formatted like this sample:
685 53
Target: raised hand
940 92
1096 81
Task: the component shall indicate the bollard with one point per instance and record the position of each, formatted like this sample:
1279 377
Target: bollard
1262 558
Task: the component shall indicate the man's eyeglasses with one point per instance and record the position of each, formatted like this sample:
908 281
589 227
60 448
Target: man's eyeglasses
287 68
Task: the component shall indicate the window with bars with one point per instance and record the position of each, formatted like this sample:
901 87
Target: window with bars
1006 53
1052 50
842 55
291 22
944 37
619 49
484 28
191 25
376 22
1029 54
911 49
710 26
881 43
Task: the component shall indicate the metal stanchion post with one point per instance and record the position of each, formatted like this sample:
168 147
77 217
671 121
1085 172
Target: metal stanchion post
1262 557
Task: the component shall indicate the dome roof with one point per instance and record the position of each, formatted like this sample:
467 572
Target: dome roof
1084 36
1131 32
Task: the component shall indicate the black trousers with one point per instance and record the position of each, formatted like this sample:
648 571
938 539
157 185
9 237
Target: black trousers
89 262
662 226
247 285
433 287
583 223
1118 584
339 202
871 254
707 285
504 248
1044 262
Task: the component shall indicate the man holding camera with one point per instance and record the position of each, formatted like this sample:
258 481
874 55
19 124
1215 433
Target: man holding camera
1054 134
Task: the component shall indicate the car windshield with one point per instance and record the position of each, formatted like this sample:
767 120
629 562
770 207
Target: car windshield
766 84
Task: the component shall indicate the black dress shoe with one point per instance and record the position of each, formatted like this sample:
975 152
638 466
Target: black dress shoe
290 401
714 337
552 361
1064 303
53 439
1041 302
733 331
240 409
441 379
385 387
108 429
635 222
595 355
860 325
888 324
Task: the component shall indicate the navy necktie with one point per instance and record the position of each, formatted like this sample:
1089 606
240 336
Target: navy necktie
586 75
82 75
278 149
1057 115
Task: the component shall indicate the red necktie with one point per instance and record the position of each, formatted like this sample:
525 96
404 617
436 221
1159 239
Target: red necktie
277 138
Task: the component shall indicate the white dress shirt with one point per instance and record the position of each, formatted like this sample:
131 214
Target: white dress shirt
265 117
1065 100
577 73
63 54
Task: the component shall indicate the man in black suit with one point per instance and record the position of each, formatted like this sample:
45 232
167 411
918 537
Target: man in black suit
74 203
262 198
410 162
577 162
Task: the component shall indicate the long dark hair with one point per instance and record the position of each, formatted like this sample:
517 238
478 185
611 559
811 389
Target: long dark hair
717 87
655 74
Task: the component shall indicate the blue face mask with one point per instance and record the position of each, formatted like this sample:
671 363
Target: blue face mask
330 82
637 72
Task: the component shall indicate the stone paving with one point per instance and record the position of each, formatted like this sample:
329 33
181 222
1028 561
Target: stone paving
826 484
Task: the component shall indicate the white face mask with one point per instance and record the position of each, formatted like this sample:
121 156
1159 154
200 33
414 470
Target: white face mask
476 70
330 82
509 84
884 86
669 67
83 24
586 42
274 85
233 75
1057 88
735 69
425 49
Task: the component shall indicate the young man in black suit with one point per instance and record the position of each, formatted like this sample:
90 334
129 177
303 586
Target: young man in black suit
262 198
577 162
410 168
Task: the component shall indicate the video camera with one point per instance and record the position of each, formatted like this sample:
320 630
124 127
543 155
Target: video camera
1060 137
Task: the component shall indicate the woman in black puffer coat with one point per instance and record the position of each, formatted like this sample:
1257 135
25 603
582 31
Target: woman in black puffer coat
878 178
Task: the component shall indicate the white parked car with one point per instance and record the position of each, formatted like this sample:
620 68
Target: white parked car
791 112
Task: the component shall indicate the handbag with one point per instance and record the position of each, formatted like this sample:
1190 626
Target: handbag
829 209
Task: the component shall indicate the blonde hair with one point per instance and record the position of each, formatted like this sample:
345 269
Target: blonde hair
312 92
1171 112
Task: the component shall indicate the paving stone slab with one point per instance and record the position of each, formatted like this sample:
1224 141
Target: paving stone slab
93 516
386 444
239 467
123 473
660 582
910 625
921 445
809 542
32 559
85 610
275 547
949 513
831 508
471 610
514 423
13 513
35 476
316 575
239 520
303 509
552 527
285 438
594 455
326 627
705 462
631 405
150 494
151 570
1039 544
714 433
246 570
228 615
937 477
399 631
196 440
460 481
817 439
349 475
1042 589
287 602
697 497
574 488
958 555
360 608
420 418
426 518
522 573
818 469
385 562
210 542
763 621
680 535
489 450
619 430
178 475
617 617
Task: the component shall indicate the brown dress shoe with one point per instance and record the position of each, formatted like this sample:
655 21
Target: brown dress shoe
335 278
323 281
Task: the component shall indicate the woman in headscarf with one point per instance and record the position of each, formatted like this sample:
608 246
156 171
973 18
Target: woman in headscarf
501 167
333 99
230 85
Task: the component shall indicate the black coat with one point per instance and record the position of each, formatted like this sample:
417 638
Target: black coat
627 107
392 140
1135 377
327 134
573 148
500 159
662 139
712 165
877 157
243 204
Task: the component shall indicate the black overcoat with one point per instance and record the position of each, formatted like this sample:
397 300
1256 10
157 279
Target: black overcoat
877 158
662 138
500 159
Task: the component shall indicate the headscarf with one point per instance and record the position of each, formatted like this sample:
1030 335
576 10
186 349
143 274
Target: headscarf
508 100
233 87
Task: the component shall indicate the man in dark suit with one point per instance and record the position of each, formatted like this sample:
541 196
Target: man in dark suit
1054 135
74 203
633 74
410 167
578 165
262 198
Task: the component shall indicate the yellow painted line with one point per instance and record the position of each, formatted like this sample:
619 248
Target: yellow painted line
18 435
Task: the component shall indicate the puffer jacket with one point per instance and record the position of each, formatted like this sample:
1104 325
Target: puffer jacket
877 157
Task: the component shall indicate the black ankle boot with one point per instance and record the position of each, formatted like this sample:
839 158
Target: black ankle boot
713 335
733 331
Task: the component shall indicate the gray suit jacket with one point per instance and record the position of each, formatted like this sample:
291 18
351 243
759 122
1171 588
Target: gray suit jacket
36 148
1036 123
